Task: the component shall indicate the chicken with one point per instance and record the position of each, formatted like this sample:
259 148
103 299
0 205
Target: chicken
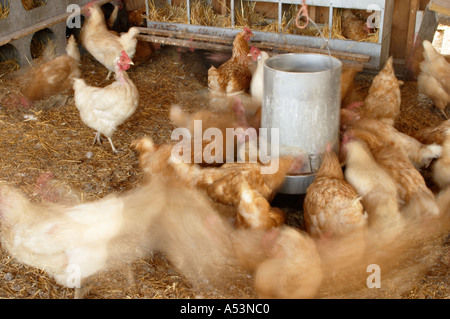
104 45
234 75
55 76
415 199
376 188
434 77
137 17
441 167
104 109
144 51
380 133
432 134
209 150
332 208
348 93
257 82
254 210
353 28
69 243
384 98
73 242
285 261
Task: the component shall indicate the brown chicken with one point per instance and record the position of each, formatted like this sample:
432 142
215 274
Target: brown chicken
285 261
332 208
415 198
213 149
434 78
380 133
349 94
353 28
376 188
55 76
441 167
234 75
137 17
254 210
384 98
432 134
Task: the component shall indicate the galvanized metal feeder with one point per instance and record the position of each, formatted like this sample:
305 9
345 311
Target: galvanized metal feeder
302 100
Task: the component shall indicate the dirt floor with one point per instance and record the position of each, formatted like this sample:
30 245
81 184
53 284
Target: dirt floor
50 137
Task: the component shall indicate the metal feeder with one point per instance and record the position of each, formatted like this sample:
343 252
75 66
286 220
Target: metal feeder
302 99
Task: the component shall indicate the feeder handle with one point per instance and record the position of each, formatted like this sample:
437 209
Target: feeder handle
304 12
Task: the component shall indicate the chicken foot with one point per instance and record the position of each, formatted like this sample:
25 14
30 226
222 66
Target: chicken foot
98 139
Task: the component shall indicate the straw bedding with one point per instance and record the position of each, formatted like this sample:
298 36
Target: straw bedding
51 137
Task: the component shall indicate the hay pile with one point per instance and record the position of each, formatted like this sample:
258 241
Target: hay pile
51 137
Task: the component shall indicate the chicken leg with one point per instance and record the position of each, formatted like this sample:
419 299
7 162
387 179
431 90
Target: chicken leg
97 139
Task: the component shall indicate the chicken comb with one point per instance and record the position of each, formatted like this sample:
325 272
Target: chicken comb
248 30
124 54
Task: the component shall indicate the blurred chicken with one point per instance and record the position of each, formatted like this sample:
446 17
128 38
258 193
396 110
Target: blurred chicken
102 44
353 28
432 134
51 189
69 243
384 98
348 93
137 17
285 262
376 188
254 210
55 76
441 168
203 120
257 82
380 133
104 109
234 75
434 78
332 207
415 199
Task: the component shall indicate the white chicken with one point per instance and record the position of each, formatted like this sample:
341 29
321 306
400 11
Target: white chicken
257 82
102 44
103 109
70 243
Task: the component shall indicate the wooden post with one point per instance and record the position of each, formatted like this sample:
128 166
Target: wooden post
426 32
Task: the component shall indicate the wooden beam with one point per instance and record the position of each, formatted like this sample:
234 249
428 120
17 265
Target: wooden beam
440 6
426 32
224 44
41 25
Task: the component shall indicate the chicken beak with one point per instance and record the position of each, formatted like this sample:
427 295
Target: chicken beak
131 63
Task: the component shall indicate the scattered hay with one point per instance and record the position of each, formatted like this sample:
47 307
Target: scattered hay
50 136
31 4
4 11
